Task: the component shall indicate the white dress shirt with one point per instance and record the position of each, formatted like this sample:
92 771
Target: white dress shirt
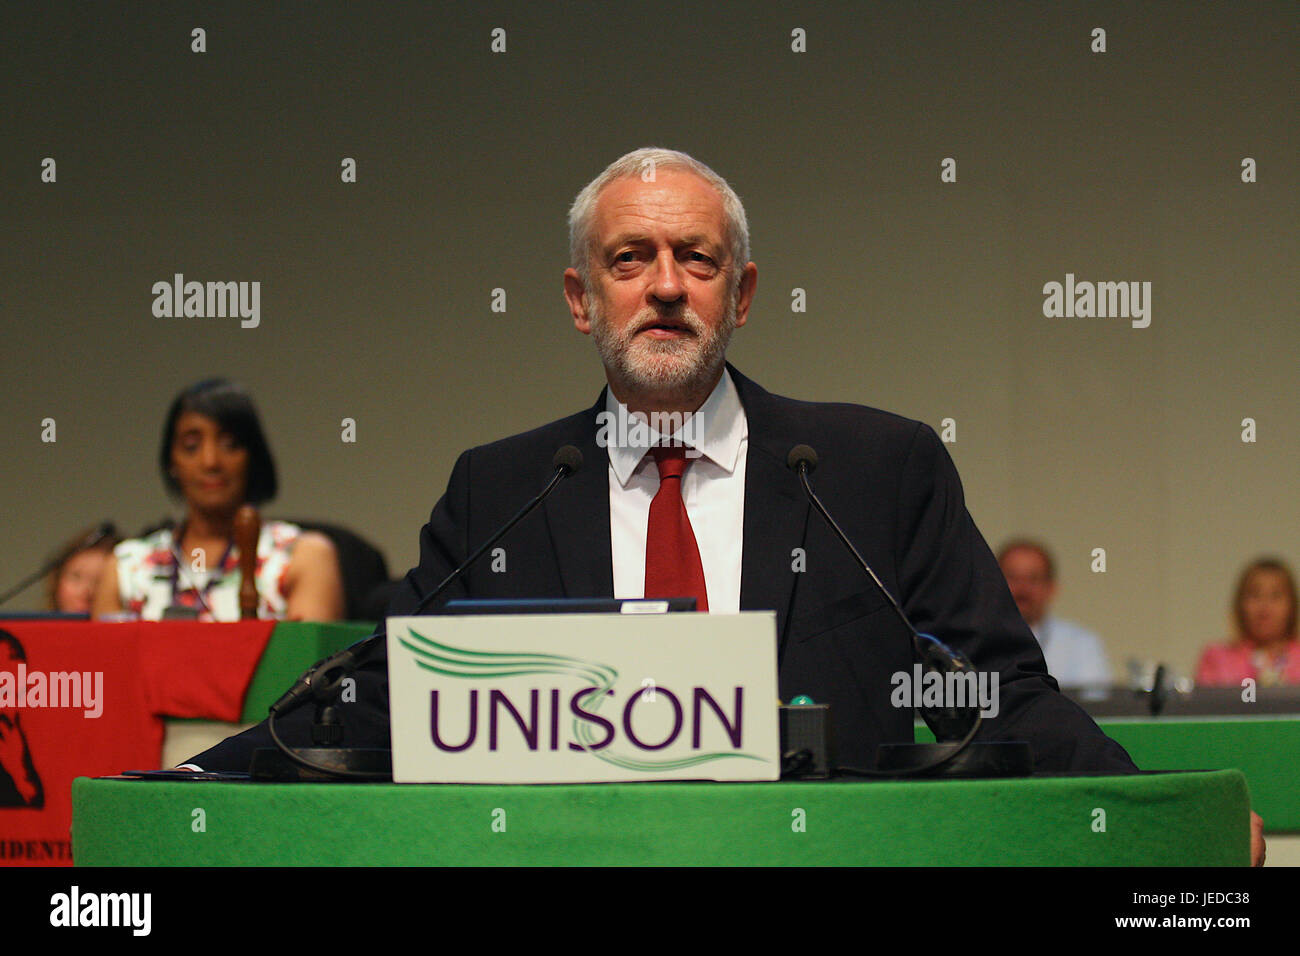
1075 656
713 489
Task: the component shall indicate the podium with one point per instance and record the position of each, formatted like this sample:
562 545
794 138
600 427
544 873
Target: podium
1149 819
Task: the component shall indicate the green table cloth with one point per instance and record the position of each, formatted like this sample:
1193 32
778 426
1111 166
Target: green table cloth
1158 819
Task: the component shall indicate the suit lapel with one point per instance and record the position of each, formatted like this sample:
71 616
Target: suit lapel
776 512
577 514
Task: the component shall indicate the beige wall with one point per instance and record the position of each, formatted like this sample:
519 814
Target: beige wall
923 297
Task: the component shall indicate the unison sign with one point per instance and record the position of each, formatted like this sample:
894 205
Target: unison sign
576 698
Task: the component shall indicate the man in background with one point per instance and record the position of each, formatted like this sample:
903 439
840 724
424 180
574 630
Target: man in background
1075 655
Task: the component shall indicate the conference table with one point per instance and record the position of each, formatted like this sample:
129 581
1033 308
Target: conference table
1153 818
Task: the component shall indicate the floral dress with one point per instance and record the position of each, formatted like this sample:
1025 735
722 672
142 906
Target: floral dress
151 576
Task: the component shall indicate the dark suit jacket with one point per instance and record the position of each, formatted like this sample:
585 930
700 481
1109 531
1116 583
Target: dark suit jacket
892 487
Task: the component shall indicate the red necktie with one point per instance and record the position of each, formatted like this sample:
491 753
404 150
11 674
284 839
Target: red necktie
672 558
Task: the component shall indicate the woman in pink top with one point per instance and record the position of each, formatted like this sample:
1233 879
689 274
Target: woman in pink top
1266 649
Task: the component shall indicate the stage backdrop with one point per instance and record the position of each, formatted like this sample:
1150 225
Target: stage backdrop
395 177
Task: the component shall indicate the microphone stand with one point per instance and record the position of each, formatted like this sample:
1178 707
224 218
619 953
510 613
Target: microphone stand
92 539
321 684
954 754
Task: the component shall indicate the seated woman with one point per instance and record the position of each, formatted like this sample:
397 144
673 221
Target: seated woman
1266 649
72 584
213 454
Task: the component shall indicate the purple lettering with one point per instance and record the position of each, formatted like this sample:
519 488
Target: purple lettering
473 723
578 712
677 719
733 730
529 729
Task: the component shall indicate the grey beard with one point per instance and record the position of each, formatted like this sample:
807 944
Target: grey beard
652 367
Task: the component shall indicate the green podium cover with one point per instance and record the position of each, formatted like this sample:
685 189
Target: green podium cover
1176 819
1262 748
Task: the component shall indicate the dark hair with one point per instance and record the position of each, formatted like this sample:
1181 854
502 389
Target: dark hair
1263 564
231 407
1029 544
18 652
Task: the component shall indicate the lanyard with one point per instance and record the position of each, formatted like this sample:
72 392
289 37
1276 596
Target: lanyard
214 577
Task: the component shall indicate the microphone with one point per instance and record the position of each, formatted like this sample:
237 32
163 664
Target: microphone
801 455
566 461
1159 691
954 728
325 676
323 680
802 460
568 458
101 531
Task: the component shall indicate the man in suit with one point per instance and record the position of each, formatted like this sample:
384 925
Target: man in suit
661 278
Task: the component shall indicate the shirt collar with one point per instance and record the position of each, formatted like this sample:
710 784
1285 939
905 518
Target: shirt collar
716 430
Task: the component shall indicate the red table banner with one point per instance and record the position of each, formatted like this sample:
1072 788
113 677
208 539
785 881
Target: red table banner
86 699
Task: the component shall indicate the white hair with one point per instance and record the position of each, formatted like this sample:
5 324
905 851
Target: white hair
635 163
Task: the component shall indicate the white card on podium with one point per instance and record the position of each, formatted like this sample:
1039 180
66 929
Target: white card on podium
583 698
